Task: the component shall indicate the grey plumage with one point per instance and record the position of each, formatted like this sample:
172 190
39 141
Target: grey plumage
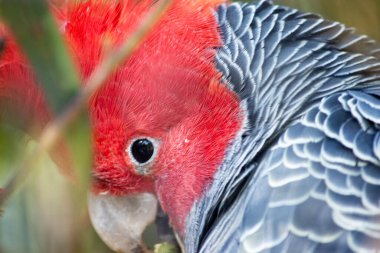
327 193
304 173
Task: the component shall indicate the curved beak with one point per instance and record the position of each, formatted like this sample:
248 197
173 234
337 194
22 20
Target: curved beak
121 220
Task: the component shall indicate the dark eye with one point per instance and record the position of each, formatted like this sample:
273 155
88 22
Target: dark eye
142 150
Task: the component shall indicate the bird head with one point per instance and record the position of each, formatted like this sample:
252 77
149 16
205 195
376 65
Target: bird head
164 120
162 123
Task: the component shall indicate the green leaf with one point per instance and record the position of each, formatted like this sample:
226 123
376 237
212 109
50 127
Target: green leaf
165 248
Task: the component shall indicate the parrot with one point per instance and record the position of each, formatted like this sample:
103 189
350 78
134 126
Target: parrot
255 125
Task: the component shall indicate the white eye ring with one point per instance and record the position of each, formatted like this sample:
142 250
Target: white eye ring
142 151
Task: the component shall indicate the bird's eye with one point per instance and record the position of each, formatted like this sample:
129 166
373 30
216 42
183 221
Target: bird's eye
142 150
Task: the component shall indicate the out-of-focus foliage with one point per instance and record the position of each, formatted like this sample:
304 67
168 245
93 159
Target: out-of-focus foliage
165 248
364 15
49 214
34 28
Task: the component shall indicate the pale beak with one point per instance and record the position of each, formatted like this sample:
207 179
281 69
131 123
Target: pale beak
121 220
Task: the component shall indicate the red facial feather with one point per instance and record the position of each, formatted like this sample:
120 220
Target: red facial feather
168 90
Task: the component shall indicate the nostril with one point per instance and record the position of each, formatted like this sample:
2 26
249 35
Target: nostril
98 181
102 186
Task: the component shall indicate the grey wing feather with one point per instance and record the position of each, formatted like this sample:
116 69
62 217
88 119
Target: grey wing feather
322 194
282 63
273 50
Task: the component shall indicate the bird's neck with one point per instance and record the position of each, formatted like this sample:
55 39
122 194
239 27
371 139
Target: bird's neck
194 150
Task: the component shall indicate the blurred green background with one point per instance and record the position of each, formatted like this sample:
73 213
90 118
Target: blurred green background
49 214
361 14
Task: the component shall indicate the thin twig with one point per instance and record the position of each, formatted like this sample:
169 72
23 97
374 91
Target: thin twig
55 128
